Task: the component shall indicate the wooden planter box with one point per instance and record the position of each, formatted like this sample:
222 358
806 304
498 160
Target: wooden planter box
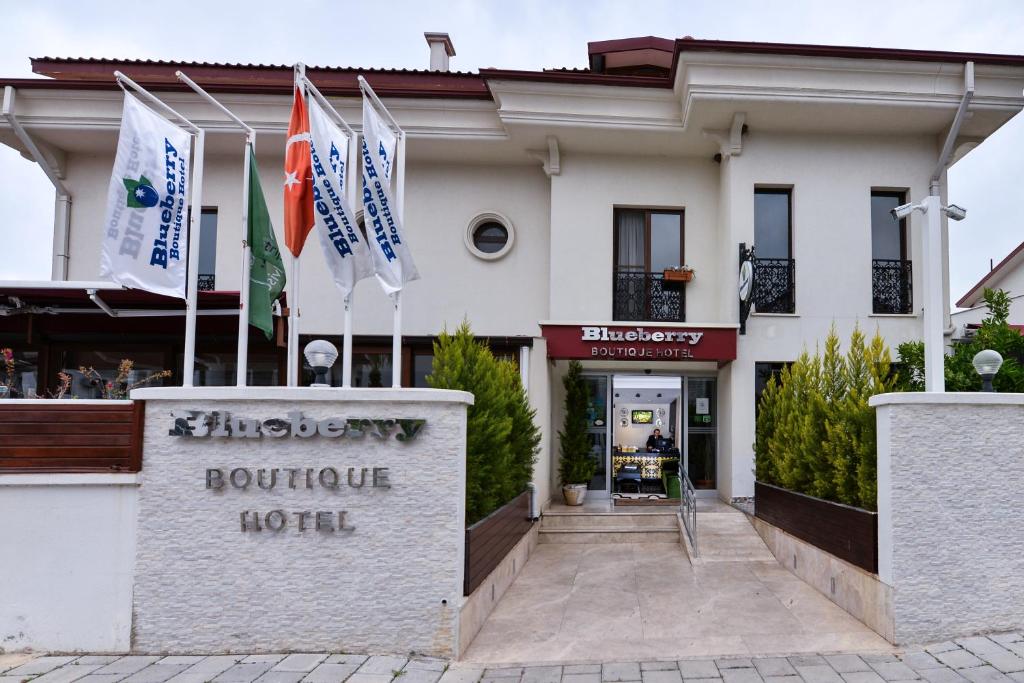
70 436
490 540
849 533
677 275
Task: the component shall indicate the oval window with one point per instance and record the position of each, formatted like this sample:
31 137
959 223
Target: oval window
489 236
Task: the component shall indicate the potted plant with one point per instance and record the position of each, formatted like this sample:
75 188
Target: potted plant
575 466
678 274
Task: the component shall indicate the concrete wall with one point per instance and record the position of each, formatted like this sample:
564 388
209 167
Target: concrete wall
391 583
67 553
949 512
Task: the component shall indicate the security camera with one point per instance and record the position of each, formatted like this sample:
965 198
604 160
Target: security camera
902 211
957 213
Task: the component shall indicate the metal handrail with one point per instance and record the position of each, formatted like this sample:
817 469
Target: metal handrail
688 508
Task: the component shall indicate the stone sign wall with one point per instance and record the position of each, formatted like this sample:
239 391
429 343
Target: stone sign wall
949 513
277 519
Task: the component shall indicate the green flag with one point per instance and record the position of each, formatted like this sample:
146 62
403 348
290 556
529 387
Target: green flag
266 269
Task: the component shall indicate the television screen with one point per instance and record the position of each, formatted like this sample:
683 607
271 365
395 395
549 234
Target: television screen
643 417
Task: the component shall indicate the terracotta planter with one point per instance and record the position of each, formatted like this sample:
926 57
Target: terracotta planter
678 275
574 493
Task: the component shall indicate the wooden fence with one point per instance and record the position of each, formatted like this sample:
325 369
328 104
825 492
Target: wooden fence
847 532
71 436
490 540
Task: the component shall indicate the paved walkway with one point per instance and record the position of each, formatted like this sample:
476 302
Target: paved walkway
995 659
646 601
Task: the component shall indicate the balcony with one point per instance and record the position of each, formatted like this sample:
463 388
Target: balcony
647 297
891 288
774 285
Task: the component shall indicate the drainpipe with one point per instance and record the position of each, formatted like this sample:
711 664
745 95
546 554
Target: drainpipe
954 130
62 208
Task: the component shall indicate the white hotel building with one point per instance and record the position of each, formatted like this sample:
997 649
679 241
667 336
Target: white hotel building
545 208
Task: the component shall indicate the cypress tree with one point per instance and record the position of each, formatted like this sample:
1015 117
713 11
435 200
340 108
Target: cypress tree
460 362
524 439
575 465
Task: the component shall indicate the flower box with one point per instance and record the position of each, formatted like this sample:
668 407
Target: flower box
673 275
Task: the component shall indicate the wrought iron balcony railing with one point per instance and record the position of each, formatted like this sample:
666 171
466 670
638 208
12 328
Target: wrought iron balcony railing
774 285
647 297
206 283
891 286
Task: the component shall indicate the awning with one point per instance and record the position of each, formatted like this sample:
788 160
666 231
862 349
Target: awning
638 341
77 297
97 309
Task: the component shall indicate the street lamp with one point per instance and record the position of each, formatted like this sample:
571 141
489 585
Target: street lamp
934 303
320 354
987 364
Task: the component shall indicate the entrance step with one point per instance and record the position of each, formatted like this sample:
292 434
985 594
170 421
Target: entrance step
609 527
597 521
610 535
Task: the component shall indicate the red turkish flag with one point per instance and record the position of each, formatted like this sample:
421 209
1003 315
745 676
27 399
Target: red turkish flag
298 179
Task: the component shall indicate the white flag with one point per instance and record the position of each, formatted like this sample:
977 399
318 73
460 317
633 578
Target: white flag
344 247
392 262
145 242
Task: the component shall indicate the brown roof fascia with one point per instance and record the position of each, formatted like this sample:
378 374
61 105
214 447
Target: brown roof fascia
258 79
987 276
578 77
628 44
844 51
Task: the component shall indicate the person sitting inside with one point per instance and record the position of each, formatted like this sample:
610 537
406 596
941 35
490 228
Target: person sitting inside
655 441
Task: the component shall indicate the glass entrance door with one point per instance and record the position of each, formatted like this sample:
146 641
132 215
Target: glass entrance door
598 387
701 432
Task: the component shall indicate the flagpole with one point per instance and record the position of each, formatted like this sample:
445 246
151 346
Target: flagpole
349 189
352 188
242 364
241 367
192 291
195 221
396 333
299 75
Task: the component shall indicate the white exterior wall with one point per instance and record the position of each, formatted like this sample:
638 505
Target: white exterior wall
67 557
831 179
583 199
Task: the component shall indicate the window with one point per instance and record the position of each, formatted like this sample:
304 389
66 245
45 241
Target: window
763 372
646 242
422 365
774 267
208 249
489 236
891 275
772 224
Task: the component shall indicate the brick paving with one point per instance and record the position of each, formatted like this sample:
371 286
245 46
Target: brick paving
998 658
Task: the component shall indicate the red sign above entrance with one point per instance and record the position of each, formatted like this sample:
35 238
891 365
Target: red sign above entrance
635 342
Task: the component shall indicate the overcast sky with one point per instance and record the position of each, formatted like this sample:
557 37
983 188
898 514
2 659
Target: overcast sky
522 34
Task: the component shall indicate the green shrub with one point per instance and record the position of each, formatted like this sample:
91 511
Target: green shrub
502 439
575 466
995 333
815 430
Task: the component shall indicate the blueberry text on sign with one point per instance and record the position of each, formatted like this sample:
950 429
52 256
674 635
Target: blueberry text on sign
199 424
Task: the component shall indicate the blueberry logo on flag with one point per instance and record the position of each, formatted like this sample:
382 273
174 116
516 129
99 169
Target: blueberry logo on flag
141 194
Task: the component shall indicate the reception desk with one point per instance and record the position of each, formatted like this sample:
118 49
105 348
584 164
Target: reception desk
651 464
